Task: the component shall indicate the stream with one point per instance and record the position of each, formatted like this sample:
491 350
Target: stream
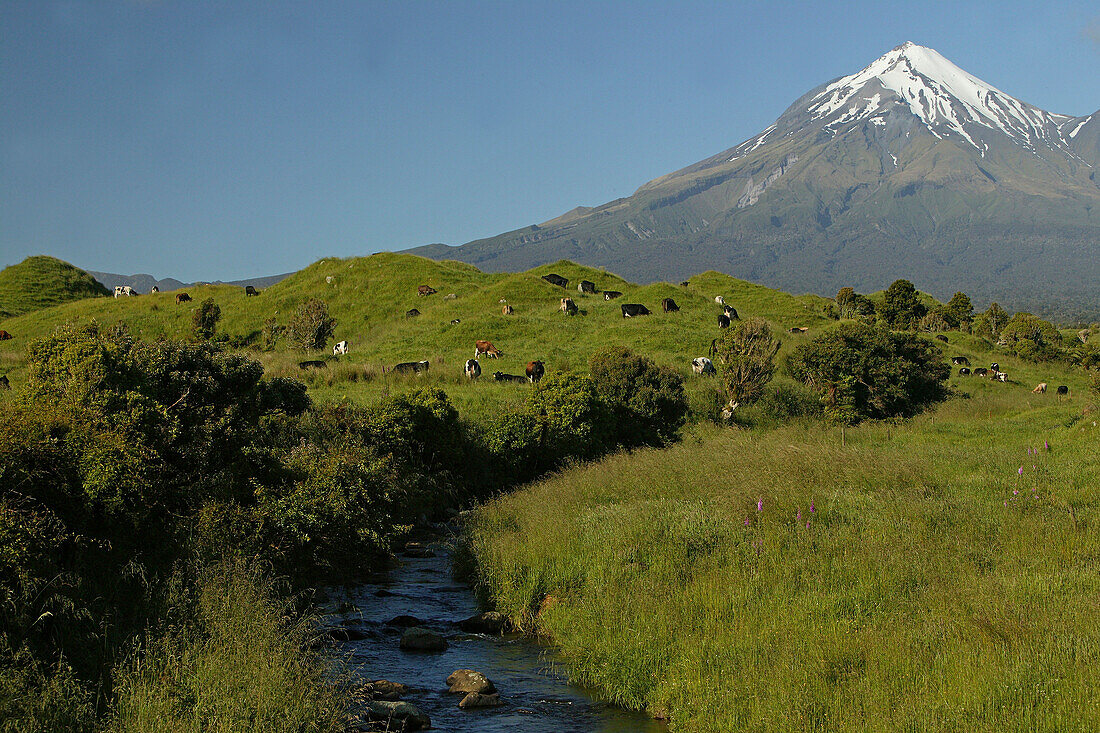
531 678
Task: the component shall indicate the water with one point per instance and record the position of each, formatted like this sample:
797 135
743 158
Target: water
531 680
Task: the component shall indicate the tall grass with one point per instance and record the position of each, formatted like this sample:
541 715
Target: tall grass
896 577
241 662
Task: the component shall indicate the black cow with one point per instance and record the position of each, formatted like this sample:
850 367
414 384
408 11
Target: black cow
634 309
4 383
501 377
1062 390
249 290
553 279
964 372
586 286
723 320
611 294
669 305
312 364
412 313
730 311
961 361
415 367
684 284
981 372
455 322
941 337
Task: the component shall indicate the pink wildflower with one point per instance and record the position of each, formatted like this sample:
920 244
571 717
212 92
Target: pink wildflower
759 505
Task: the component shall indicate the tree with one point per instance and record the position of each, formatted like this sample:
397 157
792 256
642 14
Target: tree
901 306
861 371
311 327
935 320
1032 338
851 304
746 358
959 311
990 323
204 321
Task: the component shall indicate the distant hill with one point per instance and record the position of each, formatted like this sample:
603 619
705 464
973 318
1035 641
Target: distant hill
910 168
39 282
144 283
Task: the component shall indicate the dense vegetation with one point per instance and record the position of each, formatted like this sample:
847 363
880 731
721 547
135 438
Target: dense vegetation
155 473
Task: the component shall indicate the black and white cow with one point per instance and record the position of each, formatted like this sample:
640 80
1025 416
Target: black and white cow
960 361
702 365
340 348
553 279
586 286
501 377
611 294
634 309
416 367
731 312
472 369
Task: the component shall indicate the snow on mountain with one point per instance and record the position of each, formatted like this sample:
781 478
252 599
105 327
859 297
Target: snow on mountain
946 99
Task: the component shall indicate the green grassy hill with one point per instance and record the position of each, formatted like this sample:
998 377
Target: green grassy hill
40 282
369 297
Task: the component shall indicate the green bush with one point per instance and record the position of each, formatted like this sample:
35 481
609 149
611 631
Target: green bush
901 306
746 359
573 418
312 326
1030 337
645 402
861 371
204 321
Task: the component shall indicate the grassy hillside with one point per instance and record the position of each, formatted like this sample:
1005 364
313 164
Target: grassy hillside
369 298
932 574
41 282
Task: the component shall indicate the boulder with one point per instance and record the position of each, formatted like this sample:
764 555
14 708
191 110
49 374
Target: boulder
477 700
398 715
404 621
465 681
417 639
489 622
386 690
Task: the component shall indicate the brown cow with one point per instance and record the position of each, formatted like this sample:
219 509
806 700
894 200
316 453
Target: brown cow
425 290
507 310
182 298
535 370
487 348
4 336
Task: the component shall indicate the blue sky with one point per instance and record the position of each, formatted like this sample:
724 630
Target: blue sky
227 140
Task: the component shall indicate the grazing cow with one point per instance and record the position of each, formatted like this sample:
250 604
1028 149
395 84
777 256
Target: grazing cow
960 361
684 284
4 336
719 300
472 369
964 372
425 290
340 348
586 286
568 307
250 291
487 348
553 279
412 313
702 365
416 367
669 305
981 372
507 310
941 337
312 364
182 298
154 289
1062 390
994 367
1001 376
124 290
634 309
723 320
611 294
449 296
535 370
455 322
4 383
501 377
1040 388
798 329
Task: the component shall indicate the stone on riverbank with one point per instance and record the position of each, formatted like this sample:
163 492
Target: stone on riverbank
477 700
386 690
418 639
398 715
488 622
466 681
404 621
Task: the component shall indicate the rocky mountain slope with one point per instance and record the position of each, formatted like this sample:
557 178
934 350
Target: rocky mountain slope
910 167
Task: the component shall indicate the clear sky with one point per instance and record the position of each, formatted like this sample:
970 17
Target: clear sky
223 140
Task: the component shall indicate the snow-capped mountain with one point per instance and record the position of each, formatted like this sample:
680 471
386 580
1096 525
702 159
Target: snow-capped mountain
910 167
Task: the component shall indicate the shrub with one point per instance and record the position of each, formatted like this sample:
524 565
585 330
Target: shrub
1094 381
271 333
851 304
646 402
312 326
746 358
573 419
861 372
989 323
901 306
1030 337
935 320
204 320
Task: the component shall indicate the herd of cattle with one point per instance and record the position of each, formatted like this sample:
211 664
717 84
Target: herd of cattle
994 372
125 291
